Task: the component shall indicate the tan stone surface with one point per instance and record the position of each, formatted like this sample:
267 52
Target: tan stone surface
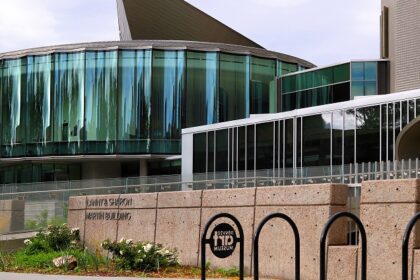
342 262
180 228
229 197
12 214
141 227
392 191
97 231
277 240
140 201
245 216
101 201
180 199
385 225
303 195
76 219
77 202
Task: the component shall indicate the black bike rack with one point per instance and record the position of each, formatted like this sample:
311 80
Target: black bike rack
297 243
324 235
239 239
406 240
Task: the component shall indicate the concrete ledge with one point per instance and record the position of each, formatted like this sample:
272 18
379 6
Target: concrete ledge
229 197
393 191
342 262
323 194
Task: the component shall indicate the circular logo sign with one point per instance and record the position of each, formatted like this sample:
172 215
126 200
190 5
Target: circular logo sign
223 240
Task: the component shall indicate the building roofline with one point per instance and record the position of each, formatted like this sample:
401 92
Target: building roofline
157 44
263 118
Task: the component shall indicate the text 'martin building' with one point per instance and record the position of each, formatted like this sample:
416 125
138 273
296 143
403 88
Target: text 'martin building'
180 82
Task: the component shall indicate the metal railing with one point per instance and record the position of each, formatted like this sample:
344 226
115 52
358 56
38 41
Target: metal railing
48 201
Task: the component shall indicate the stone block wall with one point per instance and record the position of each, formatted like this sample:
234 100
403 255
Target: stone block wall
177 219
11 215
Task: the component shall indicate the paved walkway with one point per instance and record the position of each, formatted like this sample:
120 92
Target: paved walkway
21 276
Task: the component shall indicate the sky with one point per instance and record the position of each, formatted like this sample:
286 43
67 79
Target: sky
323 32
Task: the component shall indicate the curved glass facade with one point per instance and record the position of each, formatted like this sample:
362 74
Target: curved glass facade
126 101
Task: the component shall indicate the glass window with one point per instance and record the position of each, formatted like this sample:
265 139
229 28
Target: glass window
39 117
264 146
234 87
69 80
250 144
241 148
341 73
384 131
370 71
13 128
337 137
199 152
357 71
316 140
324 77
287 68
101 101
134 89
357 89
210 149
370 88
341 92
222 151
262 74
349 126
417 107
289 143
168 86
368 134
200 106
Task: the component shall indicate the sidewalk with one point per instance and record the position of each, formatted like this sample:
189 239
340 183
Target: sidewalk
21 276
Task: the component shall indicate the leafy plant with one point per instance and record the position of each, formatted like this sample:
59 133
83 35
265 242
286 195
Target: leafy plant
54 238
42 221
144 256
228 272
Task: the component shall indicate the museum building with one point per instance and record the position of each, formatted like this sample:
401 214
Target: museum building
121 109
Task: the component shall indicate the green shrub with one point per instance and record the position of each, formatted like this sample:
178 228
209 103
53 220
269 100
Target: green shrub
145 256
53 239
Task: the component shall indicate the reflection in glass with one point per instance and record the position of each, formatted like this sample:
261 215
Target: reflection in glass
368 134
264 146
200 106
262 74
234 87
316 140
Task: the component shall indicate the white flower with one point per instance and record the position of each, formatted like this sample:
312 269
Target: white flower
27 242
122 239
74 230
147 247
129 241
121 252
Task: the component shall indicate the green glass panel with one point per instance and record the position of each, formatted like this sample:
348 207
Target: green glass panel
263 72
287 68
289 84
168 79
39 102
68 87
357 71
101 101
323 77
200 106
234 87
341 73
134 88
13 128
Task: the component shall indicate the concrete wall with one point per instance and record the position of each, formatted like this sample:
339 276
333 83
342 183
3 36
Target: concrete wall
11 215
177 220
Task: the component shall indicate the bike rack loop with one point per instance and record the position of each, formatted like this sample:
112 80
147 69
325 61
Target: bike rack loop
238 239
324 235
406 240
297 243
